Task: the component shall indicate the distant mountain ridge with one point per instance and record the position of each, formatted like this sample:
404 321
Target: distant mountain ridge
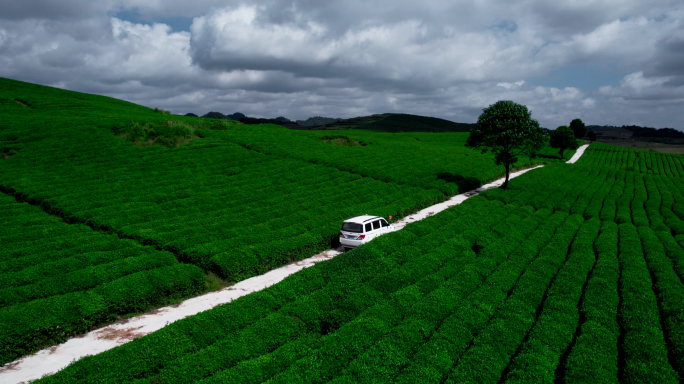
280 120
317 121
385 122
397 122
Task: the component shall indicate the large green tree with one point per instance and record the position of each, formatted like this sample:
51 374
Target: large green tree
508 130
563 138
578 128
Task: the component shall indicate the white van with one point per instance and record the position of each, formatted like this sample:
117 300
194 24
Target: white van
362 229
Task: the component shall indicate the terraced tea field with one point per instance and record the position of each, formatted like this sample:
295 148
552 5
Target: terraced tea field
427 160
216 209
574 274
59 280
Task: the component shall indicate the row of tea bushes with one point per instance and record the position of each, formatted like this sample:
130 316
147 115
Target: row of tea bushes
60 280
328 308
646 162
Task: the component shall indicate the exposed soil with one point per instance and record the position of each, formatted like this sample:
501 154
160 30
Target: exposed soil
127 334
13 366
156 311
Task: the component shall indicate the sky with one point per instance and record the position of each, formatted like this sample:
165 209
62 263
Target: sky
611 62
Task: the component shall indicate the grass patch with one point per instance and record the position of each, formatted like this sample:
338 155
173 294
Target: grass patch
342 141
213 282
170 133
162 111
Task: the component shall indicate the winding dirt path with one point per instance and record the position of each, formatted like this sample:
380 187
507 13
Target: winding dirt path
51 360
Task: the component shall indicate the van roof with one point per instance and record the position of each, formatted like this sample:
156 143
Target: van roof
362 219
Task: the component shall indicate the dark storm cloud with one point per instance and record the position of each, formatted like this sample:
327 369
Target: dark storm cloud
669 57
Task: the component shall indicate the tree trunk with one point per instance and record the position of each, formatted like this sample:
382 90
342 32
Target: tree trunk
505 184
561 153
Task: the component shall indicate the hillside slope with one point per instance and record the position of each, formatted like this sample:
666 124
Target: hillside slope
194 188
572 275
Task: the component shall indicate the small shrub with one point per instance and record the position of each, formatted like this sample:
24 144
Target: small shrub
162 111
342 141
170 133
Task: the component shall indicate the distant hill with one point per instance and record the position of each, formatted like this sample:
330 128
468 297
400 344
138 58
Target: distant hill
236 116
396 122
317 121
278 121
414 123
252 120
215 115
353 123
385 122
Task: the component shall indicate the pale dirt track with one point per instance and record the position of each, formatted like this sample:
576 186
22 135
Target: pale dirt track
50 360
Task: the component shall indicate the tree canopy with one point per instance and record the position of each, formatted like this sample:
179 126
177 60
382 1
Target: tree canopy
591 136
578 128
563 138
508 130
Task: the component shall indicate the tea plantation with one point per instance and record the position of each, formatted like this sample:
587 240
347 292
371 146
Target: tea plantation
575 274
58 280
110 208
428 160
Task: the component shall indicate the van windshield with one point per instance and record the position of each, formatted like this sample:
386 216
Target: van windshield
352 227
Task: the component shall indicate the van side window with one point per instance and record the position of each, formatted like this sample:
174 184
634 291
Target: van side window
384 223
376 224
368 227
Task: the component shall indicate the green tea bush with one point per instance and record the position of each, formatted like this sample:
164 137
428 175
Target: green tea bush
59 280
491 350
572 275
643 343
594 357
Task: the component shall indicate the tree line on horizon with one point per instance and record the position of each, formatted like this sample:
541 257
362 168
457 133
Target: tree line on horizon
639 131
280 120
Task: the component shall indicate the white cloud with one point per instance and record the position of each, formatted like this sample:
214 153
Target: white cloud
517 84
299 58
636 87
589 102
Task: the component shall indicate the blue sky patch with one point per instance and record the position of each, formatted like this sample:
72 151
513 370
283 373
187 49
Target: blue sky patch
584 77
